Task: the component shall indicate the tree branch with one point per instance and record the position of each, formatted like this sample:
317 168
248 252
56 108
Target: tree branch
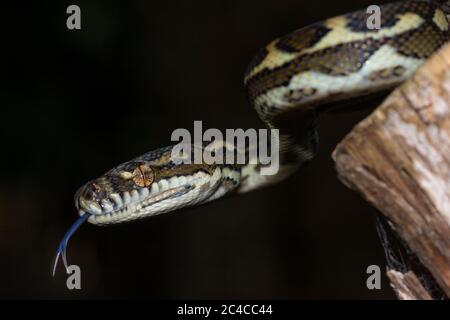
399 160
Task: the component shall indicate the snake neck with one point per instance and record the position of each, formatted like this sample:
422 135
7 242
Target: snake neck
295 141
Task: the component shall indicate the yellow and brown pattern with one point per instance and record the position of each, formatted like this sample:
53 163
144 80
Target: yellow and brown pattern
342 45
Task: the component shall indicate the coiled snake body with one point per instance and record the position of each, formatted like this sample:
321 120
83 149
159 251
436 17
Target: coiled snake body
289 82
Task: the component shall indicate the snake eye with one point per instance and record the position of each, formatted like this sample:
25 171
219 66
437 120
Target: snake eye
143 175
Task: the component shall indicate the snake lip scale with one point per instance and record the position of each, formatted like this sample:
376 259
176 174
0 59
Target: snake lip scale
289 82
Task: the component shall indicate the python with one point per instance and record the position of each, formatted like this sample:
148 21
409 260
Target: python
290 82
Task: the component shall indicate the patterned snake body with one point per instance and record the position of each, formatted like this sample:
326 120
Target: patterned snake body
289 82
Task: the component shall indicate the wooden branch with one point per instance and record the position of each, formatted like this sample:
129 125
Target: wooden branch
399 160
407 286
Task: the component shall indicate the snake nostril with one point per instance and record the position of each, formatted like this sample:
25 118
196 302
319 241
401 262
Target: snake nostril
95 187
92 192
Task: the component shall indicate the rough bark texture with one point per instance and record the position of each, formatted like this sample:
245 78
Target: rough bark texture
399 160
407 286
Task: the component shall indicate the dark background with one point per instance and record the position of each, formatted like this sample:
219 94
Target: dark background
77 103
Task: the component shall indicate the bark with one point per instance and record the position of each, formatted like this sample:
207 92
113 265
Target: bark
399 160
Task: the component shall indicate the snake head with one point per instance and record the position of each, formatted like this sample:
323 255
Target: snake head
146 186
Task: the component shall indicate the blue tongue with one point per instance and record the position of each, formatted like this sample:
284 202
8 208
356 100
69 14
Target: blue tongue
63 244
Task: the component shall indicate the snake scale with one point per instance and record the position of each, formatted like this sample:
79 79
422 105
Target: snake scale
289 82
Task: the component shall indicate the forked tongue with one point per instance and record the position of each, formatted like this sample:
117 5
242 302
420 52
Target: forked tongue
61 252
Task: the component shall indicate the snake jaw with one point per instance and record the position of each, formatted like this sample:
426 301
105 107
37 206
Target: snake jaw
109 203
123 194
145 206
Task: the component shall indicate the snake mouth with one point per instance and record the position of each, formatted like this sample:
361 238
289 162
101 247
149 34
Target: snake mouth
138 189
162 196
129 206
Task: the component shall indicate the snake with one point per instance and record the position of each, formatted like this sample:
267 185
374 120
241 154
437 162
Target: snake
337 62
